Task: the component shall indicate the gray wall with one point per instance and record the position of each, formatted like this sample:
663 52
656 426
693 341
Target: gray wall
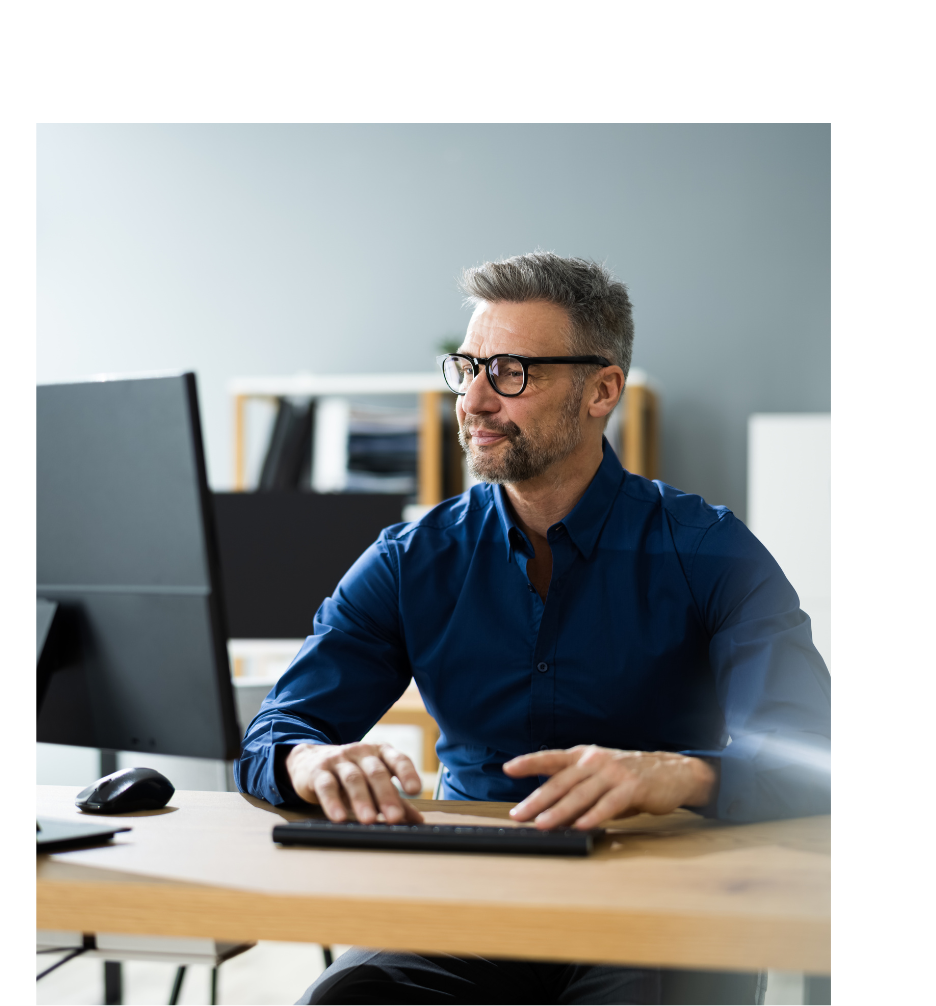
237 250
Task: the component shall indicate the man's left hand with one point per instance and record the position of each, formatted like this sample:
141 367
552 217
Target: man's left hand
589 785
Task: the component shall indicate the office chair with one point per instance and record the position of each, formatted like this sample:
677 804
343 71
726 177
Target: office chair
703 988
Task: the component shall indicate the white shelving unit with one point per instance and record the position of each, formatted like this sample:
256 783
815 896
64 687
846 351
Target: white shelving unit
790 506
330 390
635 432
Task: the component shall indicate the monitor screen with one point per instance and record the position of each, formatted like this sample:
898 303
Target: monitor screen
126 548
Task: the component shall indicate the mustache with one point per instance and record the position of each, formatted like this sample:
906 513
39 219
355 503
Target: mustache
508 429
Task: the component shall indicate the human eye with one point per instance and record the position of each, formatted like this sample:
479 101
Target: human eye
507 372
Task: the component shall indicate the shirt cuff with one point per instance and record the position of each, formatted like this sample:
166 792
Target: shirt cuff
281 781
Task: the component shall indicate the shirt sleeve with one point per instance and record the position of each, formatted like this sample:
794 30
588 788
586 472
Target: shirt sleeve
346 675
773 686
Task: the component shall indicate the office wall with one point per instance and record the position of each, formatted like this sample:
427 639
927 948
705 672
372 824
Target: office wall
269 249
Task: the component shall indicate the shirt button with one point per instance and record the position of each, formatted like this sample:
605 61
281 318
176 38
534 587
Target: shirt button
544 747
542 667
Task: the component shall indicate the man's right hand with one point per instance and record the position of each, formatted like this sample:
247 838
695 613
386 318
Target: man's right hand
356 776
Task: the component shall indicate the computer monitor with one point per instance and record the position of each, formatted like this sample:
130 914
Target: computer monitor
131 630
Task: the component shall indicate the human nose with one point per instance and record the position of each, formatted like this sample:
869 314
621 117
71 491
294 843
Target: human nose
480 397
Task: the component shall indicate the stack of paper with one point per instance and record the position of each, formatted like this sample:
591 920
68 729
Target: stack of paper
364 449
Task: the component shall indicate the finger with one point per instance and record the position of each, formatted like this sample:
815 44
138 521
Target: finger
618 802
574 804
540 763
327 792
402 768
413 816
550 792
354 783
382 788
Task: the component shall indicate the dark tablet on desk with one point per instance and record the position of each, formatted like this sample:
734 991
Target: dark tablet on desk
57 836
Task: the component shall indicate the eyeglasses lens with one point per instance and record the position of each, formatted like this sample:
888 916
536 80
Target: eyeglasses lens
458 374
507 374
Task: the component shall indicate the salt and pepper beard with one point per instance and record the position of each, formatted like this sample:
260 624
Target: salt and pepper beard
530 452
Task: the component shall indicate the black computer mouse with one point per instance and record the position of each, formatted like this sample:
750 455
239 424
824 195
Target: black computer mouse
127 790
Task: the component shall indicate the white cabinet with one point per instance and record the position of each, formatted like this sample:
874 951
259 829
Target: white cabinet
790 506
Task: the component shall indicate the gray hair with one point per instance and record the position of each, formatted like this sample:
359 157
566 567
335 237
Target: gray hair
601 322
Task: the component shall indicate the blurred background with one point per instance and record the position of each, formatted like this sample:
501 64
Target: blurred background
237 250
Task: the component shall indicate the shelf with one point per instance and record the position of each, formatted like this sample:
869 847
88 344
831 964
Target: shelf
315 385
133 947
430 387
639 419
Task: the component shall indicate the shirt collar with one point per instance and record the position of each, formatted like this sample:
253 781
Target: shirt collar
585 521
508 524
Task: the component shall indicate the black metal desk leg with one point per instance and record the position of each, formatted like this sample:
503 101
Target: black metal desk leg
113 973
113 983
177 985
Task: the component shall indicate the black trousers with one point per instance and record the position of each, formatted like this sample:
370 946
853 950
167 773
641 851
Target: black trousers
374 976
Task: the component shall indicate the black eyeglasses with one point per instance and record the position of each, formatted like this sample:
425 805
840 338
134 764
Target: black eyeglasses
507 374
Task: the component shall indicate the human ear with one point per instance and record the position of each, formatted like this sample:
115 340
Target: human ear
607 391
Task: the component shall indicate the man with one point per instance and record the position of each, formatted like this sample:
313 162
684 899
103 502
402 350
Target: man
591 644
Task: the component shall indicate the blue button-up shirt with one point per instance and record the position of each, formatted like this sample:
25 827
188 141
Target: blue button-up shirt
667 626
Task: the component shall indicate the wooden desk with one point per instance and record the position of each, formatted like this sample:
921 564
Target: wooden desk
676 891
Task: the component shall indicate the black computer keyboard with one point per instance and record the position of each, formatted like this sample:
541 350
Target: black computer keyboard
437 837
